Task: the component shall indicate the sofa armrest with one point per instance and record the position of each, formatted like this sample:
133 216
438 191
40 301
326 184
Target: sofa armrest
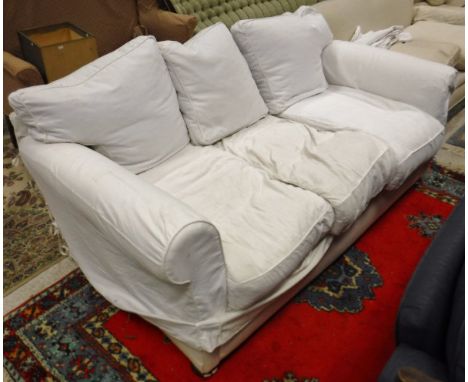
131 239
423 84
165 25
17 74
426 305
24 71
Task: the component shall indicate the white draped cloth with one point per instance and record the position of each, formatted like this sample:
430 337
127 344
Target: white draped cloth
384 38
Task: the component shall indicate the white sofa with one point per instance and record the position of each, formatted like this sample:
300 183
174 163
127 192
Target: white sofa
207 241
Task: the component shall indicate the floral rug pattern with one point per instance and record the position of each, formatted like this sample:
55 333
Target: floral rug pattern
344 285
31 243
427 225
442 184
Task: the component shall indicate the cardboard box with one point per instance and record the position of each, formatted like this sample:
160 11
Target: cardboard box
57 50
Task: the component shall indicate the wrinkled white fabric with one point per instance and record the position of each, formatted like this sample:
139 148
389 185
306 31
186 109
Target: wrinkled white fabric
346 168
123 104
266 227
216 91
424 84
120 230
114 223
383 38
413 135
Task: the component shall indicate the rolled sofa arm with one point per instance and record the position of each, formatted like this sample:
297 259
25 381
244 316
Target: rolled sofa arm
24 71
17 74
140 247
424 84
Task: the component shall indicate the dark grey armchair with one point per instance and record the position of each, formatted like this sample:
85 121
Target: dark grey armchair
430 328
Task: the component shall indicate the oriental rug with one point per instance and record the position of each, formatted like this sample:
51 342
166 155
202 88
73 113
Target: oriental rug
339 328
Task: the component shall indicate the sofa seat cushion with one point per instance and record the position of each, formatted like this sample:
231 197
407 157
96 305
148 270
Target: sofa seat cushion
267 228
440 32
441 52
413 135
346 168
443 14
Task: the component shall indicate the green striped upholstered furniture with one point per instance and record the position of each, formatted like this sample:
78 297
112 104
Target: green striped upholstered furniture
209 12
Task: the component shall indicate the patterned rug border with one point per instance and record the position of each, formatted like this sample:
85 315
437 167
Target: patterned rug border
444 170
84 326
106 340
38 295
7 365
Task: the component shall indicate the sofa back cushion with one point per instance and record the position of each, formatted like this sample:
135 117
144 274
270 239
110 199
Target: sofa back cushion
216 91
343 16
123 104
284 55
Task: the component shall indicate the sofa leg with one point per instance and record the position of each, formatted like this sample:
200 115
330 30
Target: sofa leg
204 375
11 131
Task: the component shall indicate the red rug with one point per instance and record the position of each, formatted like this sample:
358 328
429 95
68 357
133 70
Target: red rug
339 328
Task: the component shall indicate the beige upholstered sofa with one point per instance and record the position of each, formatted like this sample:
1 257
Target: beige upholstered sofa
432 40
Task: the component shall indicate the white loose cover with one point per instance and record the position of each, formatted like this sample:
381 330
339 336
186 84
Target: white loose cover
417 82
216 91
284 55
413 135
346 168
114 222
123 104
267 227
